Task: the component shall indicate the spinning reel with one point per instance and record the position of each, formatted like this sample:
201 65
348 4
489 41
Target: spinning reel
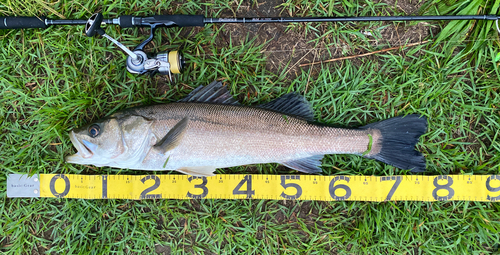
138 62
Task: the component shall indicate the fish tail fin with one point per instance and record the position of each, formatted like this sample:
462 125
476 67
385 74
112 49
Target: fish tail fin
398 137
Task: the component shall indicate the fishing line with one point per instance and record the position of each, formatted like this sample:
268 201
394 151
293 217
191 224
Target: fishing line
340 47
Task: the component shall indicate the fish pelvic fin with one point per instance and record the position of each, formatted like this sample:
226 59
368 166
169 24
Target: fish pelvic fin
198 170
306 165
173 137
396 145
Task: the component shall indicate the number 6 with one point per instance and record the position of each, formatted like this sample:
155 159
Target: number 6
332 188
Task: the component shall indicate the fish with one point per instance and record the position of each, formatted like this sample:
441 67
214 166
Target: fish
209 129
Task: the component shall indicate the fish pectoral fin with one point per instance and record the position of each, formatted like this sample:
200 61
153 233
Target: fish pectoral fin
198 170
306 165
173 137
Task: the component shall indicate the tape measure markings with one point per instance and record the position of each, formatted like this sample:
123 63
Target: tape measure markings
296 187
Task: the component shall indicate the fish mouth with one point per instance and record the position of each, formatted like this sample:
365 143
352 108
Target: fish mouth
83 150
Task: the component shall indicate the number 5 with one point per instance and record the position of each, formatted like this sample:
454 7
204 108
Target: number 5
293 185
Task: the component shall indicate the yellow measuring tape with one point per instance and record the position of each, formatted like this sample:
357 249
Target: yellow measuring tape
237 186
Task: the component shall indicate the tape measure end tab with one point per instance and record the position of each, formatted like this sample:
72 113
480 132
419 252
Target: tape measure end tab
20 185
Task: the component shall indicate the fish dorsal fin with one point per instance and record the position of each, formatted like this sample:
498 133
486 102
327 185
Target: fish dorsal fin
173 137
291 104
198 170
214 92
306 165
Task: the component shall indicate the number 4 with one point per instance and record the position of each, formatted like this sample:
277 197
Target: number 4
249 192
394 187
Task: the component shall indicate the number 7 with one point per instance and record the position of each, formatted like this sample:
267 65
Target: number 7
394 187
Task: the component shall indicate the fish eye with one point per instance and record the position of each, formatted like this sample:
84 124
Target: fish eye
94 130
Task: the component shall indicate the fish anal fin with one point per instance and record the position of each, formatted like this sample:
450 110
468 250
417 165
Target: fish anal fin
214 92
198 170
306 165
173 137
291 104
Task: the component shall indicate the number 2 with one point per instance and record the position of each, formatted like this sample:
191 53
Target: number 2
144 194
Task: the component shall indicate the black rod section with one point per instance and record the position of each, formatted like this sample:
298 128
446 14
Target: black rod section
348 19
72 21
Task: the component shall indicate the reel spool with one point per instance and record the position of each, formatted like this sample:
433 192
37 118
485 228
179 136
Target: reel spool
165 63
176 61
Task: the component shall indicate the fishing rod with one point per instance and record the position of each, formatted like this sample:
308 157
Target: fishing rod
168 63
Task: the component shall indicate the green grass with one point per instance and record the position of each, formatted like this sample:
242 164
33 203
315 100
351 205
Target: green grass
57 79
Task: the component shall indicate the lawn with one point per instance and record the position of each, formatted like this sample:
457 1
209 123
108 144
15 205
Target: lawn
57 79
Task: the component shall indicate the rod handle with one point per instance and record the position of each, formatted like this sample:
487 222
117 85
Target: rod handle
22 22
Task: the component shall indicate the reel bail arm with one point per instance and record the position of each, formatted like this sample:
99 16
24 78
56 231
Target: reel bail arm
138 61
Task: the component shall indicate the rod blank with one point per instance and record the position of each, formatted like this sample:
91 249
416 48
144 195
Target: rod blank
200 20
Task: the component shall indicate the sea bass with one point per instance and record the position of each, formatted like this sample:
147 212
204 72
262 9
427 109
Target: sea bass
209 129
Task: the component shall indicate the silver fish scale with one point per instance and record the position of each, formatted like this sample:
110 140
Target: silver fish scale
230 135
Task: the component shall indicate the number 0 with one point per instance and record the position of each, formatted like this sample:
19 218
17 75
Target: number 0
53 185
492 189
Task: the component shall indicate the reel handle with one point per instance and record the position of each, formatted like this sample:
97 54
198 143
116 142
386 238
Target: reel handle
93 25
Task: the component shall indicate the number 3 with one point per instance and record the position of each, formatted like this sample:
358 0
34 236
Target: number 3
199 186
